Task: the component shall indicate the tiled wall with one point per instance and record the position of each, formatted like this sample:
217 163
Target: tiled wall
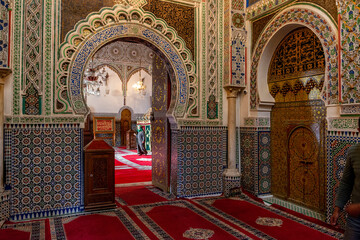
255 160
44 169
4 205
201 160
337 145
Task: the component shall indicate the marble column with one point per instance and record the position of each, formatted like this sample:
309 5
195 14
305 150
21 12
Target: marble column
3 74
232 176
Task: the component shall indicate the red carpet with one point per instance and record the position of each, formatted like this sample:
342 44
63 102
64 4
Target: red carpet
182 220
266 221
132 176
143 160
37 229
115 224
137 195
147 213
130 167
96 227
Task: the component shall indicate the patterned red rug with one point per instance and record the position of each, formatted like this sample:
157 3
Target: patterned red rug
147 213
266 221
182 220
115 224
131 168
25 230
139 195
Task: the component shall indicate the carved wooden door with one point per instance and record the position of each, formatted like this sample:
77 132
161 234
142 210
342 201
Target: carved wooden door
159 126
303 165
125 124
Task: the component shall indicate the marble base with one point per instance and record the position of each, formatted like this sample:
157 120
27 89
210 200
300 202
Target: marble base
232 182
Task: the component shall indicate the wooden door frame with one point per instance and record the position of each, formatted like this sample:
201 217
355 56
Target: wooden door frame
293 125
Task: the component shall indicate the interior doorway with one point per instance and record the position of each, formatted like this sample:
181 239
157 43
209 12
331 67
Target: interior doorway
133 74
295 80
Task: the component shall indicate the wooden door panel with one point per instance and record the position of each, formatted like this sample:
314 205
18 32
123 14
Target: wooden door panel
125 125
159 126
303 163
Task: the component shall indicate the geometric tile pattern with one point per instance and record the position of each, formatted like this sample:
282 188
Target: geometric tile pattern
32 75
249 156
255 160
337 145
4 34
201 160
46 166
4 205
264 164
350 43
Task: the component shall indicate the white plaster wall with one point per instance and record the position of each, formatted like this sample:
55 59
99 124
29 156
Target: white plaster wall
110 103
114 101
139 103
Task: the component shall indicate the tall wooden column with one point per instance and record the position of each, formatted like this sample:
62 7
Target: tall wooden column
232 176
3 74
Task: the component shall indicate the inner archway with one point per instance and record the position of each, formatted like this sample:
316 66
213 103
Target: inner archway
295 80
151 105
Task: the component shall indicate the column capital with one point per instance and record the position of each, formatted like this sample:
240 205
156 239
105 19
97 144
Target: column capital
233 90
4 72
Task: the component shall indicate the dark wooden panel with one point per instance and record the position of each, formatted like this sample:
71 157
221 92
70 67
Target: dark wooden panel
159 126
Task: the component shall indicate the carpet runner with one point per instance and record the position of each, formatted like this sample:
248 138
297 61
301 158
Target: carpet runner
147 213
139 195
266 221
131 168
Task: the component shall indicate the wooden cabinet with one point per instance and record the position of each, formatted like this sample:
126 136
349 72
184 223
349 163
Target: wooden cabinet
130 139
99 175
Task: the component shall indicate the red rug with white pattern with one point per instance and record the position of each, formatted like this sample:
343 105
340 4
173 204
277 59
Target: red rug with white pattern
131 168
147 213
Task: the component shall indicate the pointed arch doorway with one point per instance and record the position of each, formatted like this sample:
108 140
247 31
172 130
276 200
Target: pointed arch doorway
295 81
114 23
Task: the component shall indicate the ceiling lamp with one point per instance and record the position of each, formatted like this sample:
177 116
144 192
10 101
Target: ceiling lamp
140 86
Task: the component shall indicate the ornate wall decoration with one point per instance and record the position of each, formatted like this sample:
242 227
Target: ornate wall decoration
309 59
124 58
350 46
212 51
295 80
255 159
325 32
350 109
257 8
238 45
32 82
338 142
110 24
184 22
201 160
46 179
343 124
238 5
4 34
257 122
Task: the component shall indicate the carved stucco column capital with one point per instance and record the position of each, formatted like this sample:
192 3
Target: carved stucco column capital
4 72
233 90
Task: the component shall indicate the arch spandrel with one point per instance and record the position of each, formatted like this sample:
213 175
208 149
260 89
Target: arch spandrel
298 15
109 24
